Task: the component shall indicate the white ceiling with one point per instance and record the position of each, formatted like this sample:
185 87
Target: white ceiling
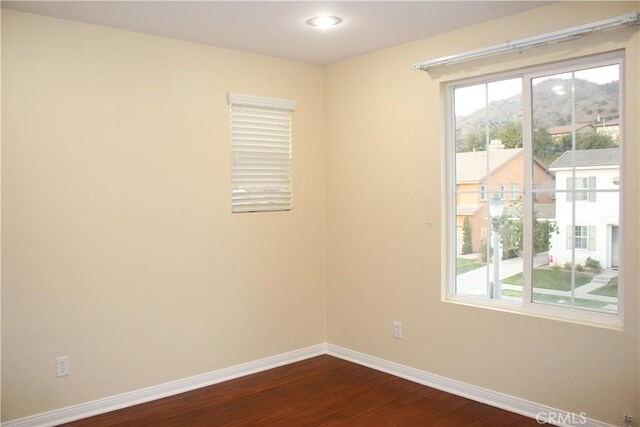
278 28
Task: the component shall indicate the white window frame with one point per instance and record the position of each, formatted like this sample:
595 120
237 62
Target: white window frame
260 140
585 192
587 236
501 190
580 191
483 192
514 189
581 234
527 306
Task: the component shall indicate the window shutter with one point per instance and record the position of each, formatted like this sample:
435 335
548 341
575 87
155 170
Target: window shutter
592 188
569 187
569 236
592 238
260 153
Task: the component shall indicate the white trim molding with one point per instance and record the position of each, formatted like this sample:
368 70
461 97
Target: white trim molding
478 394
124 400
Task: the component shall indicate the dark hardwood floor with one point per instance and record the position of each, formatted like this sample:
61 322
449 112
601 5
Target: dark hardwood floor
322 391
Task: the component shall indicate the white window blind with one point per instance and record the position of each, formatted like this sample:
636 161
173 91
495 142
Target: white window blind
260 153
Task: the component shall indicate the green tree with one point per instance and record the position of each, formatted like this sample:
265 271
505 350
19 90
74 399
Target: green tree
542 232
511 233
588 141
544 147
467 237
594 140
511 237
510 134
474 141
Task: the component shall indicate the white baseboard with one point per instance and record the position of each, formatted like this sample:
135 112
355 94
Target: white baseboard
478 394
108 404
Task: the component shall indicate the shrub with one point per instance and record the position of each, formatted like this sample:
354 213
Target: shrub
567 265
593 264
467 244
579 267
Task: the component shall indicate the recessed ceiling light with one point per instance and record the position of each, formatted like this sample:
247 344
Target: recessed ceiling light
324 21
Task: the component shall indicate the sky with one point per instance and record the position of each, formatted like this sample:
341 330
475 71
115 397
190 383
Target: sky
472 98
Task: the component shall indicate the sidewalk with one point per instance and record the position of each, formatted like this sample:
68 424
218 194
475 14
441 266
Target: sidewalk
475 281
598 281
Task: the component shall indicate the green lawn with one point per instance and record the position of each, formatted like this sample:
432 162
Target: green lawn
557 299
543 278
609 290
463 265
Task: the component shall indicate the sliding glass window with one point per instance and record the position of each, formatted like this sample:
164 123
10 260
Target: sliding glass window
535 184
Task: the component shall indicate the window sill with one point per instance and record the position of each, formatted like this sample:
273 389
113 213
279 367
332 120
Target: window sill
586 318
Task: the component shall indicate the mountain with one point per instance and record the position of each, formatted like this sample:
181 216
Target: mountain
551 106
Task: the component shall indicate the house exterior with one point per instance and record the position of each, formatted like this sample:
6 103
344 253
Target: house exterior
558 132
596 215
610 128
506 172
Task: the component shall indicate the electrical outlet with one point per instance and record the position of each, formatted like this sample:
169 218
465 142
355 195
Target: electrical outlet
627 420
397 329
62 366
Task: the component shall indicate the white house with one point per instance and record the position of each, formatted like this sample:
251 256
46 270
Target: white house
596 213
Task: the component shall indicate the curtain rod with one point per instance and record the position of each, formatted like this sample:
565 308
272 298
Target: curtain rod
536 41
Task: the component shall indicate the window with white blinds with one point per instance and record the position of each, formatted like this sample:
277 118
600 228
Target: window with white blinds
260 153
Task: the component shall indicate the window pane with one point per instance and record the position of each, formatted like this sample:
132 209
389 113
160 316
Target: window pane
470 118
514 193
552 253
471 187
471 275
552 123
583 155
510 265
590 280
582 267
597 107
488 155
505 139
580 237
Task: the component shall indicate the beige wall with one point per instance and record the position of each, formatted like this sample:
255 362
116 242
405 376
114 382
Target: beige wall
383 141
119 248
